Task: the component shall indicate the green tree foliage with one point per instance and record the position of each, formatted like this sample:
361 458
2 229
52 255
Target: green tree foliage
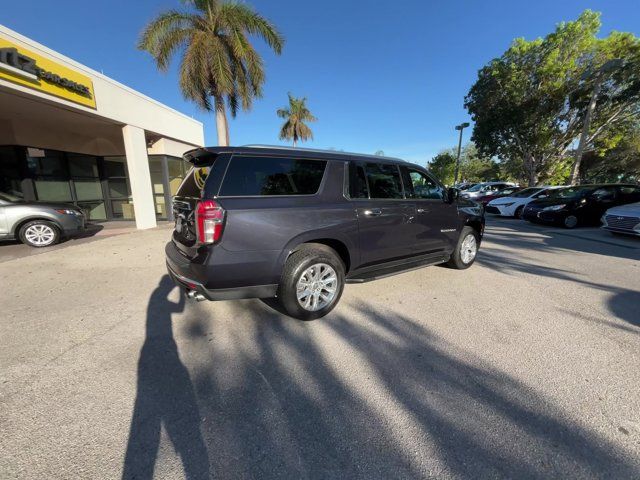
617 163
529 104
296 117
219 66
473 166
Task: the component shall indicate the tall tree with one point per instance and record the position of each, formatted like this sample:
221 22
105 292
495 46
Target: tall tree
296 115
219 67
474 167
529 105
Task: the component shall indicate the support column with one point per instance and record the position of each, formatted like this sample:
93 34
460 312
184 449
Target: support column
135 146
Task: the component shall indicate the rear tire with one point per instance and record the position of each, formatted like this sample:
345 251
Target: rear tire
312 282
39 233
466 249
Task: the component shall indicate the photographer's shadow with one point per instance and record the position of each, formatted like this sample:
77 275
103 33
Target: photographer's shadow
165 396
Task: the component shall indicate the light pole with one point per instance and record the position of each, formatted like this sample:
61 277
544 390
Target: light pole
597 85
460 127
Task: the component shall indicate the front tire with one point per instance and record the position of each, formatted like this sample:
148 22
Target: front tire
39 233
312 282
518 213
466 249
570 221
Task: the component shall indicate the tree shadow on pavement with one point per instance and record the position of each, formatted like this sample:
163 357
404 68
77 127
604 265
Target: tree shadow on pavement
165 397
363 393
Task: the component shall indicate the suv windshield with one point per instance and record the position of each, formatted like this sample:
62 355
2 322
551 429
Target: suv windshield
527 192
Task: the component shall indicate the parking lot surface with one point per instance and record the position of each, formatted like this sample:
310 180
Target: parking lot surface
524 366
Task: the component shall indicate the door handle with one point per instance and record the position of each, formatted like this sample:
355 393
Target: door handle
373 212
421 210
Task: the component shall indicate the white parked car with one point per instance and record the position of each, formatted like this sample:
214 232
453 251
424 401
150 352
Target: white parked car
481 189
513 205
623 219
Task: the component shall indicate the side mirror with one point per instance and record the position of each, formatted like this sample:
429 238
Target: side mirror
452 194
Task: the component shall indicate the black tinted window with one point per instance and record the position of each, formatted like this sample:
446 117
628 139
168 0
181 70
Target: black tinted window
357 182
193 183
384 180
248 176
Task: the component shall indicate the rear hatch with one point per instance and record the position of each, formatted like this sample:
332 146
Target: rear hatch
190 192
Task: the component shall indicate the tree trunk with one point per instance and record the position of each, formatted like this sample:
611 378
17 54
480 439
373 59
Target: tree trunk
530 166
574 178
222 126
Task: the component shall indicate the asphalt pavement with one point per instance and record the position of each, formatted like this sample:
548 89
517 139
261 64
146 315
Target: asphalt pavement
524 366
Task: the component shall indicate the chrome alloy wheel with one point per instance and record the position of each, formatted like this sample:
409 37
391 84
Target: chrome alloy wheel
41 235
317 287
468 249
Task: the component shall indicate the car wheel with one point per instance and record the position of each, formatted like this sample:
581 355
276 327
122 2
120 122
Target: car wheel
570 221
466 249
518 213
39 233
312 282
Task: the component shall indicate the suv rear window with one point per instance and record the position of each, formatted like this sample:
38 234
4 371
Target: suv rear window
193 183
383 180
263 176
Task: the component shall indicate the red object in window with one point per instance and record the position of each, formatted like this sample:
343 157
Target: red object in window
209 221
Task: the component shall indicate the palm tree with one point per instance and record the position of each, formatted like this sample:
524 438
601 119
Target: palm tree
219 67
295 128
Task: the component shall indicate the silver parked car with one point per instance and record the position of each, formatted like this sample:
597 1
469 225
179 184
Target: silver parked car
38 224
623 219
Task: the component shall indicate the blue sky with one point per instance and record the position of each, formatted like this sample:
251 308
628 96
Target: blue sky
378 75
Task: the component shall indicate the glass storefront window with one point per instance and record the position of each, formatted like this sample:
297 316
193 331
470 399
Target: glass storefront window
10 175
53 190
83 166
88 189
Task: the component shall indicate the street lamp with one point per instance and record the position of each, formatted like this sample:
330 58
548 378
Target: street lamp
460 127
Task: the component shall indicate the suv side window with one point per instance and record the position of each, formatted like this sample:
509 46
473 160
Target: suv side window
357 182
384 180
422 186
267 176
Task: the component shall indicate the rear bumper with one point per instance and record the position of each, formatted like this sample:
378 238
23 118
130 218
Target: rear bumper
182 276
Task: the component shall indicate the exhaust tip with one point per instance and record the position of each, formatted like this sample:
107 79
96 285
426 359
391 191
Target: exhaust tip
193 295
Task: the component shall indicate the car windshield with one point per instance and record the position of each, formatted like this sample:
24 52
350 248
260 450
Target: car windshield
527 192
570 192
7 197
476 188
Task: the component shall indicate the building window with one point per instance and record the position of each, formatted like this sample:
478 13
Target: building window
119 188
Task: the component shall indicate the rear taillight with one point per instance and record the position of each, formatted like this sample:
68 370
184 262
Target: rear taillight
209 221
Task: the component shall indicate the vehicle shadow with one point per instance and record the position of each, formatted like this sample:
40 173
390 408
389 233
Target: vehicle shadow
363 393
165 397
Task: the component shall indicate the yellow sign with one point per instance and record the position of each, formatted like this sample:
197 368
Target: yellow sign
21 66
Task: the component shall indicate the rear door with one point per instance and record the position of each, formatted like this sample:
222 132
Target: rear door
384 216
436 223
600 200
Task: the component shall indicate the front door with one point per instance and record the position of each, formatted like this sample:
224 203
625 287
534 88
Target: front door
436 226
384 216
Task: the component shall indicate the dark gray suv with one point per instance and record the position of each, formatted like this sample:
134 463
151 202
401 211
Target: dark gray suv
296 224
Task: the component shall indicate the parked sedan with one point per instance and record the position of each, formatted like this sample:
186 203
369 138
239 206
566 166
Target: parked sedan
489 196
485 188
38 224
513 205
580 205
623 219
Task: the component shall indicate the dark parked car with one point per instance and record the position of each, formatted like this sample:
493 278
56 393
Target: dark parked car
298 224
38 224
580 205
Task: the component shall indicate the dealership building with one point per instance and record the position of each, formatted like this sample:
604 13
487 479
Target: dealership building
70 134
